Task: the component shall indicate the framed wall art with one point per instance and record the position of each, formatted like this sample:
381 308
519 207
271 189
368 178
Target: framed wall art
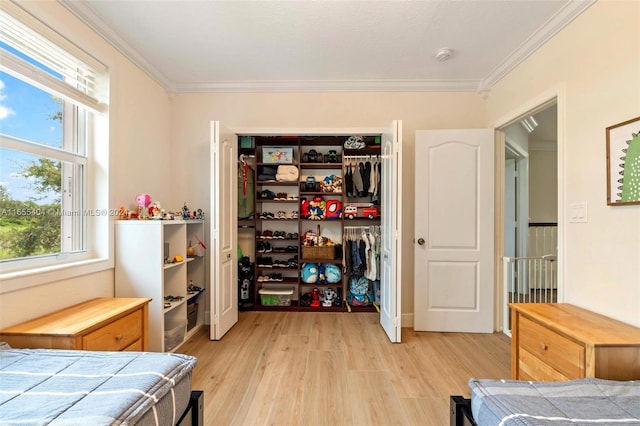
623 163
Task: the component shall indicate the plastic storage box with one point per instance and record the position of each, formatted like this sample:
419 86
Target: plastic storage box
175 335
277 155
275 297
192 315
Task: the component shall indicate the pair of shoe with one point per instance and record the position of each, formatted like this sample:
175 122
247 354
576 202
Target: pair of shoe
264 262
267 195
279 235
280 264
270 277
264 247
266 234
266 215
355 142
291 236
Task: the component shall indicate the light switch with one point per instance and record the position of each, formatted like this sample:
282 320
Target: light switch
578 213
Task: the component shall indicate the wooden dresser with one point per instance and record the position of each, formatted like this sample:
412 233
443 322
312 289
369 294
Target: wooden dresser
558 341
103 324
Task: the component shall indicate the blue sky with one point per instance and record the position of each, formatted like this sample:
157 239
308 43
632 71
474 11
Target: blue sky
24 113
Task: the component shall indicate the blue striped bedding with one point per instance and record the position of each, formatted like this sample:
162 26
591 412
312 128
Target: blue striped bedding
63 387
575 402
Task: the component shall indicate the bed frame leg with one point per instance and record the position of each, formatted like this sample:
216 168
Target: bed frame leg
194 414
460 411
197 408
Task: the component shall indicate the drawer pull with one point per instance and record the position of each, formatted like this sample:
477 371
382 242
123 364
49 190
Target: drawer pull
544 346
119 337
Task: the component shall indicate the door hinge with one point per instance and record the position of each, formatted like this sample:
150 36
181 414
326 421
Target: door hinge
396 322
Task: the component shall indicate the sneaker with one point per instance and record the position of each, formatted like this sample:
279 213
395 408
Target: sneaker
267 234
267 195
355 142
281 215
267 248
260 247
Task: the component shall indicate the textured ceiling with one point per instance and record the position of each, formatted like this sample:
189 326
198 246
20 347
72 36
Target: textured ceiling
326 45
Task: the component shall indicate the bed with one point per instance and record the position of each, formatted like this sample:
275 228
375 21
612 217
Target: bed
70 387
574 402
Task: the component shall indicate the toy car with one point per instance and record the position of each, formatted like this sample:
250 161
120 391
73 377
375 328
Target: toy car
370 212
310 185
350 212
312 156
332 157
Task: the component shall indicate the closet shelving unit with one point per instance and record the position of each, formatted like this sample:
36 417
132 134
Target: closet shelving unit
251 231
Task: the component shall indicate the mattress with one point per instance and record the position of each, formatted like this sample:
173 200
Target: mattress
67 387
575 402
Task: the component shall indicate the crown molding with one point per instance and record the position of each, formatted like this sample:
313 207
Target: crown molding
556 23
86 15
331 86
569 12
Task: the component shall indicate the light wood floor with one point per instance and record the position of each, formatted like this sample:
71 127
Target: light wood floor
305 368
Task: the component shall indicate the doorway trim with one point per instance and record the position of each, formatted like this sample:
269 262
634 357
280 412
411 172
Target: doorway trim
555 95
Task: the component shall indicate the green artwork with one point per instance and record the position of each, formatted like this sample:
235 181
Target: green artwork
630 182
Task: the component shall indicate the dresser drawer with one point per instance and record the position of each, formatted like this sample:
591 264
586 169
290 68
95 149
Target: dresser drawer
116 335
530 367
553 349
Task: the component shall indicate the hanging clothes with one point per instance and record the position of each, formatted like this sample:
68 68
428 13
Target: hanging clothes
348 179
357 180
366 178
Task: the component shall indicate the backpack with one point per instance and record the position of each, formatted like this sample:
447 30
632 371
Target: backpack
359 292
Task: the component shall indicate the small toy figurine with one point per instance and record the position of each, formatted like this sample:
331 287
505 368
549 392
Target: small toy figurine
143 201
155 210
185 211
200 214
315 298
329 297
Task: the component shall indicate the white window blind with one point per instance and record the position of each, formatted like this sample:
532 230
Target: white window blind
81 74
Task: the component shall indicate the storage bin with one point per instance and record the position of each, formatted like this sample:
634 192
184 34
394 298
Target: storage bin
275 297
174 336
192 315
277 155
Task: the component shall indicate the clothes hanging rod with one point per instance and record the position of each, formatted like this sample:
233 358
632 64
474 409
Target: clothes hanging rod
362 157
360 227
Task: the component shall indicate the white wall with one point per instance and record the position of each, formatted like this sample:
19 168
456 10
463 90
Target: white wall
161 146
140 159
543 185
594 64
192 113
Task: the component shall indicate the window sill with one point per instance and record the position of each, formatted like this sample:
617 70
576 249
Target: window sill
20 280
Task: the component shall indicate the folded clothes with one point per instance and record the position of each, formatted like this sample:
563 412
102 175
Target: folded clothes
287 173
267 173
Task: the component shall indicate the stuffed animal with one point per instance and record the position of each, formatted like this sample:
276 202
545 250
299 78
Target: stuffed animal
143 201
322 279
309 273
333 209
332 273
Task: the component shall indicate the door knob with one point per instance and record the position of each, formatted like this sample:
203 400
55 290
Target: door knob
421 241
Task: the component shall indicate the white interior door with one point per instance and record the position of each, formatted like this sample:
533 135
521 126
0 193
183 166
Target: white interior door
454 225
224 206
391 217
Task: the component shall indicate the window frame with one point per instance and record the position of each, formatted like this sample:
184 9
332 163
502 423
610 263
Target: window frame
92 102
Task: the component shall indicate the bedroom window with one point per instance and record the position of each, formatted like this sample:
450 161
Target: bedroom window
51 105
